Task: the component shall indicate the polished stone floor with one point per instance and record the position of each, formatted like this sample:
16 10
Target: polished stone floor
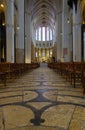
41 100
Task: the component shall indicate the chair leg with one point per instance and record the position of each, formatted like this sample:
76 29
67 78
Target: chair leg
4 79
83 84
74 79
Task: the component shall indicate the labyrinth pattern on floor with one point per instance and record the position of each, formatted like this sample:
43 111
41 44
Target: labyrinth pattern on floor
41 100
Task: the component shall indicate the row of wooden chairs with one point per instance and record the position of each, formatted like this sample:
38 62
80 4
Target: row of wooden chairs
74 72
14 70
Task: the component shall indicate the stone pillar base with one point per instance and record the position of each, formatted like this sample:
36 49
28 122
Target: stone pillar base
19 55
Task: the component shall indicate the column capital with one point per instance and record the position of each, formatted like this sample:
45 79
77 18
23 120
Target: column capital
12 1
9 25
77 24
29 13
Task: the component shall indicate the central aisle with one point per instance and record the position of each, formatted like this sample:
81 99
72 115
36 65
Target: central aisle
41 100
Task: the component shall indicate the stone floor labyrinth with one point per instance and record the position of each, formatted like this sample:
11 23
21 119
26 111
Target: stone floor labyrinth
41 100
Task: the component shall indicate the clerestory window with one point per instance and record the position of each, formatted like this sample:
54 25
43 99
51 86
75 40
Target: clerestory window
44 34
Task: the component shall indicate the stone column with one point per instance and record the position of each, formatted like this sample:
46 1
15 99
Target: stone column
33 53
20 32
10 31
28 35
59 35
65 32
76 36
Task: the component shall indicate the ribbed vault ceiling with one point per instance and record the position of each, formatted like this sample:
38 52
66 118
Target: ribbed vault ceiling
43 13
